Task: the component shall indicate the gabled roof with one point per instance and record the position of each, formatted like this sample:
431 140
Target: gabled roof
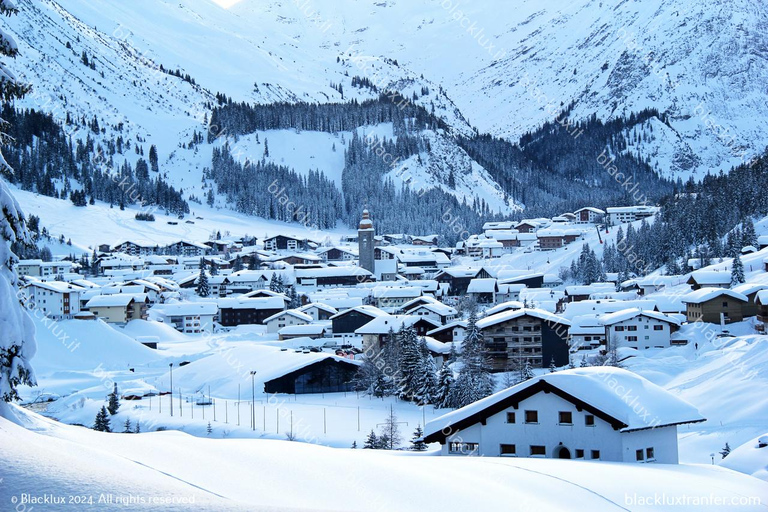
115 300
706 294
749 288
290 312
511 315
461 324
504 306
382 324
627 314
458 272
252 303
186 308
482 285
593 389
436 307
303 330
320 306
371 311
57 286
710 277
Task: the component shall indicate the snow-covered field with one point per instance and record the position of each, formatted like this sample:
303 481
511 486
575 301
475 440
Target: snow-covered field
44 457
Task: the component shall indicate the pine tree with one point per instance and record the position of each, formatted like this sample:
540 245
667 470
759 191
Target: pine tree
127 426
354 445
417 442
552 367
737 271
209 429
113 403
203 288
371 442
153 159
474 381
426 380
389 437
444 385
214 269
138 428
17 338
526 371
748 235
726 450
409 364
294 301
102 421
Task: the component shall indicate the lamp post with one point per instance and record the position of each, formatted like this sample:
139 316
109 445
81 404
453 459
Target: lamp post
170 365
253 400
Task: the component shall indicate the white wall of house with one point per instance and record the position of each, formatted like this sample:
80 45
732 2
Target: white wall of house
423 312
596 442
52 303
640 333
283 320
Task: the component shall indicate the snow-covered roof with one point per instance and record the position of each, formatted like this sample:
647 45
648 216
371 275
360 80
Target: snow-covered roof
590 209
711 277
252 303
371 311
186 308
504 306
762 297
437 308
589 288
587 307
115 300
290 312
706 294
595 388
396 291
344 271
382 324
303 330
458 324
460 271
632 209
506 316
320 306
749 288
57 286
482 285
627 314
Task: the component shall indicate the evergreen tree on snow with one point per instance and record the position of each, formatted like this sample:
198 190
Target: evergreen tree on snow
273 286
102 421
737 271
389 436
410 364
209 429
294 301
127 428
113 402
214 271
584 363
726 450
354 445
748 235
371 442
17 335
417 441
474 381
552 367
137 430
203 288
426 380
526 371
445 382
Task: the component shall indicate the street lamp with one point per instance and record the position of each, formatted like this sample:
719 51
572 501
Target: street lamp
253 400
170 365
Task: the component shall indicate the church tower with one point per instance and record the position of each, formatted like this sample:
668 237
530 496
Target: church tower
365 242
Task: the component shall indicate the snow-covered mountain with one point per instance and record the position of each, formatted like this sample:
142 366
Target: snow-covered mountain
702 65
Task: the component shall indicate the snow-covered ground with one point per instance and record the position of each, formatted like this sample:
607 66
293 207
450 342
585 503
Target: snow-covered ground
44 457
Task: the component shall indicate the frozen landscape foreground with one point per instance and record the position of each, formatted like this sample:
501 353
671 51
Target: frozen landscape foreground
42 457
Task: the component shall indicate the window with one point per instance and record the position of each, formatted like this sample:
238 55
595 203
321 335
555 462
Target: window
618 328
589 420
510 417
531 416
465 448
595 454
631 327
566 418
631 338
579 453
639 455
507 449
725 304
649 454
645 326
658 327
538 450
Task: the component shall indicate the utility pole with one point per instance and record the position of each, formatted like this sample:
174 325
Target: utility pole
253 399
170 365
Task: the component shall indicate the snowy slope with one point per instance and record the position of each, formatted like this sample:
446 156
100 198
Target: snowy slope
261 474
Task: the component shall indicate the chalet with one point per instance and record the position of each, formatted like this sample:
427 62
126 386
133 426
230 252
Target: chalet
219 285
430 261
713 305
551 239
394 296
435 311
589 215
456 279
429 240
750 290
337 254
119 308
43 269
248 310
385 253
491 249
306 331
246 281
346 322
314 373
187 248
55 299
287 243
586 333
186 317
499 225
333 276
534 280
282 319
508 292
296 258
638 329
709 279
418 301
577 293
483 290
318 311
376 332
510 305
531 225
450 333
580 413
386 270
622 214
138 248
525 334
762 242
